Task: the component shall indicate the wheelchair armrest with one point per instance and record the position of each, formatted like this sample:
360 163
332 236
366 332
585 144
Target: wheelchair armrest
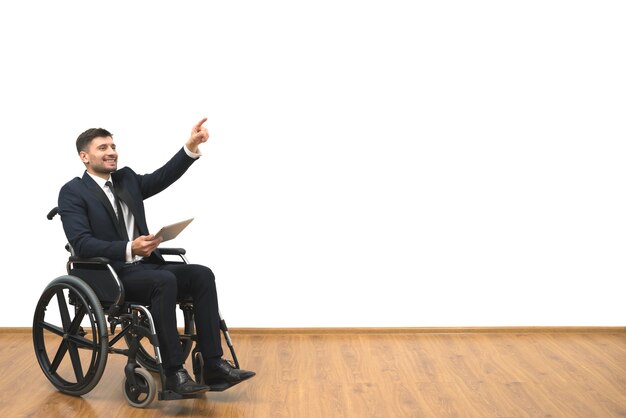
92 260
172 251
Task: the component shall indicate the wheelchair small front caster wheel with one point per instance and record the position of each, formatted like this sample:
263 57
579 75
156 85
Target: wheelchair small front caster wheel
143 391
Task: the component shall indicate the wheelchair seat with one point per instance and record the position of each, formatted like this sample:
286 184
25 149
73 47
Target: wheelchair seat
75 324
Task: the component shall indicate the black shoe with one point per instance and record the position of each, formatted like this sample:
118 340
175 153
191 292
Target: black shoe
222 371
181 383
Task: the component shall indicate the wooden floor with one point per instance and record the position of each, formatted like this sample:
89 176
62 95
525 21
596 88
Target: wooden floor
474 374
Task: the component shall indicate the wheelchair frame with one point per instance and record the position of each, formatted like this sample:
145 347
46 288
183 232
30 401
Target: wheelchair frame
96 293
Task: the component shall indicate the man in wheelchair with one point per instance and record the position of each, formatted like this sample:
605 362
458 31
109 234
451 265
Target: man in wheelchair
103 216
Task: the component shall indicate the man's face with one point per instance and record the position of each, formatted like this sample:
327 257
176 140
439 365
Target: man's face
101 157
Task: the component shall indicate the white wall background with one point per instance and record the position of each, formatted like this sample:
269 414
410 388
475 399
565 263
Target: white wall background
371 163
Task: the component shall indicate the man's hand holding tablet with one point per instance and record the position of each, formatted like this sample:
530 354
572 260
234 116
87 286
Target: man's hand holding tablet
171 231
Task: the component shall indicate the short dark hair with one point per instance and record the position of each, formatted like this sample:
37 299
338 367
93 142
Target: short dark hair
84 139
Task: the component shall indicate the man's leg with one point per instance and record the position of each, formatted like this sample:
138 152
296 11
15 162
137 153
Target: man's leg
144 284
198 282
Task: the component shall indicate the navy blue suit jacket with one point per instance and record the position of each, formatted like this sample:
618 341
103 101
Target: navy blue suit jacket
89 220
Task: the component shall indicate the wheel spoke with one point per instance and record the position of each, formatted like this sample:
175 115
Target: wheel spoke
76 364
52 328
80 314
58 357
82 342
72 346
65 315
142 386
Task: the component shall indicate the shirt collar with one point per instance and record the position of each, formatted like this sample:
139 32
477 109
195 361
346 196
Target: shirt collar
99 180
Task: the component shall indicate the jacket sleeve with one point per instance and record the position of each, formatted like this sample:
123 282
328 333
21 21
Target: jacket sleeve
165 176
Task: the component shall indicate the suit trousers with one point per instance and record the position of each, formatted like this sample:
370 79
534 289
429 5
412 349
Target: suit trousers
160 286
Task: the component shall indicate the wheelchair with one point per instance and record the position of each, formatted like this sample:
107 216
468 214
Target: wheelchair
75 324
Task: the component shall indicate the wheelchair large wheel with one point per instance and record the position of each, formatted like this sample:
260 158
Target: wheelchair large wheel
70 335
145 354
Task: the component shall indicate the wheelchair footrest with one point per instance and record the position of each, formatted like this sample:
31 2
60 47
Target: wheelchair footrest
222 386
168 395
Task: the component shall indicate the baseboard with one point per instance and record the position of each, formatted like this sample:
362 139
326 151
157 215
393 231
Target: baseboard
427 330
397 330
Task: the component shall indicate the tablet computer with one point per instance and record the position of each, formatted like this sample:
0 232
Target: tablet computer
171 231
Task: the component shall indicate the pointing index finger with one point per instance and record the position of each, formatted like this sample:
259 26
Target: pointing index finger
198 125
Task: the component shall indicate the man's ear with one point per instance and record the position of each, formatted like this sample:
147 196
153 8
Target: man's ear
83 157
